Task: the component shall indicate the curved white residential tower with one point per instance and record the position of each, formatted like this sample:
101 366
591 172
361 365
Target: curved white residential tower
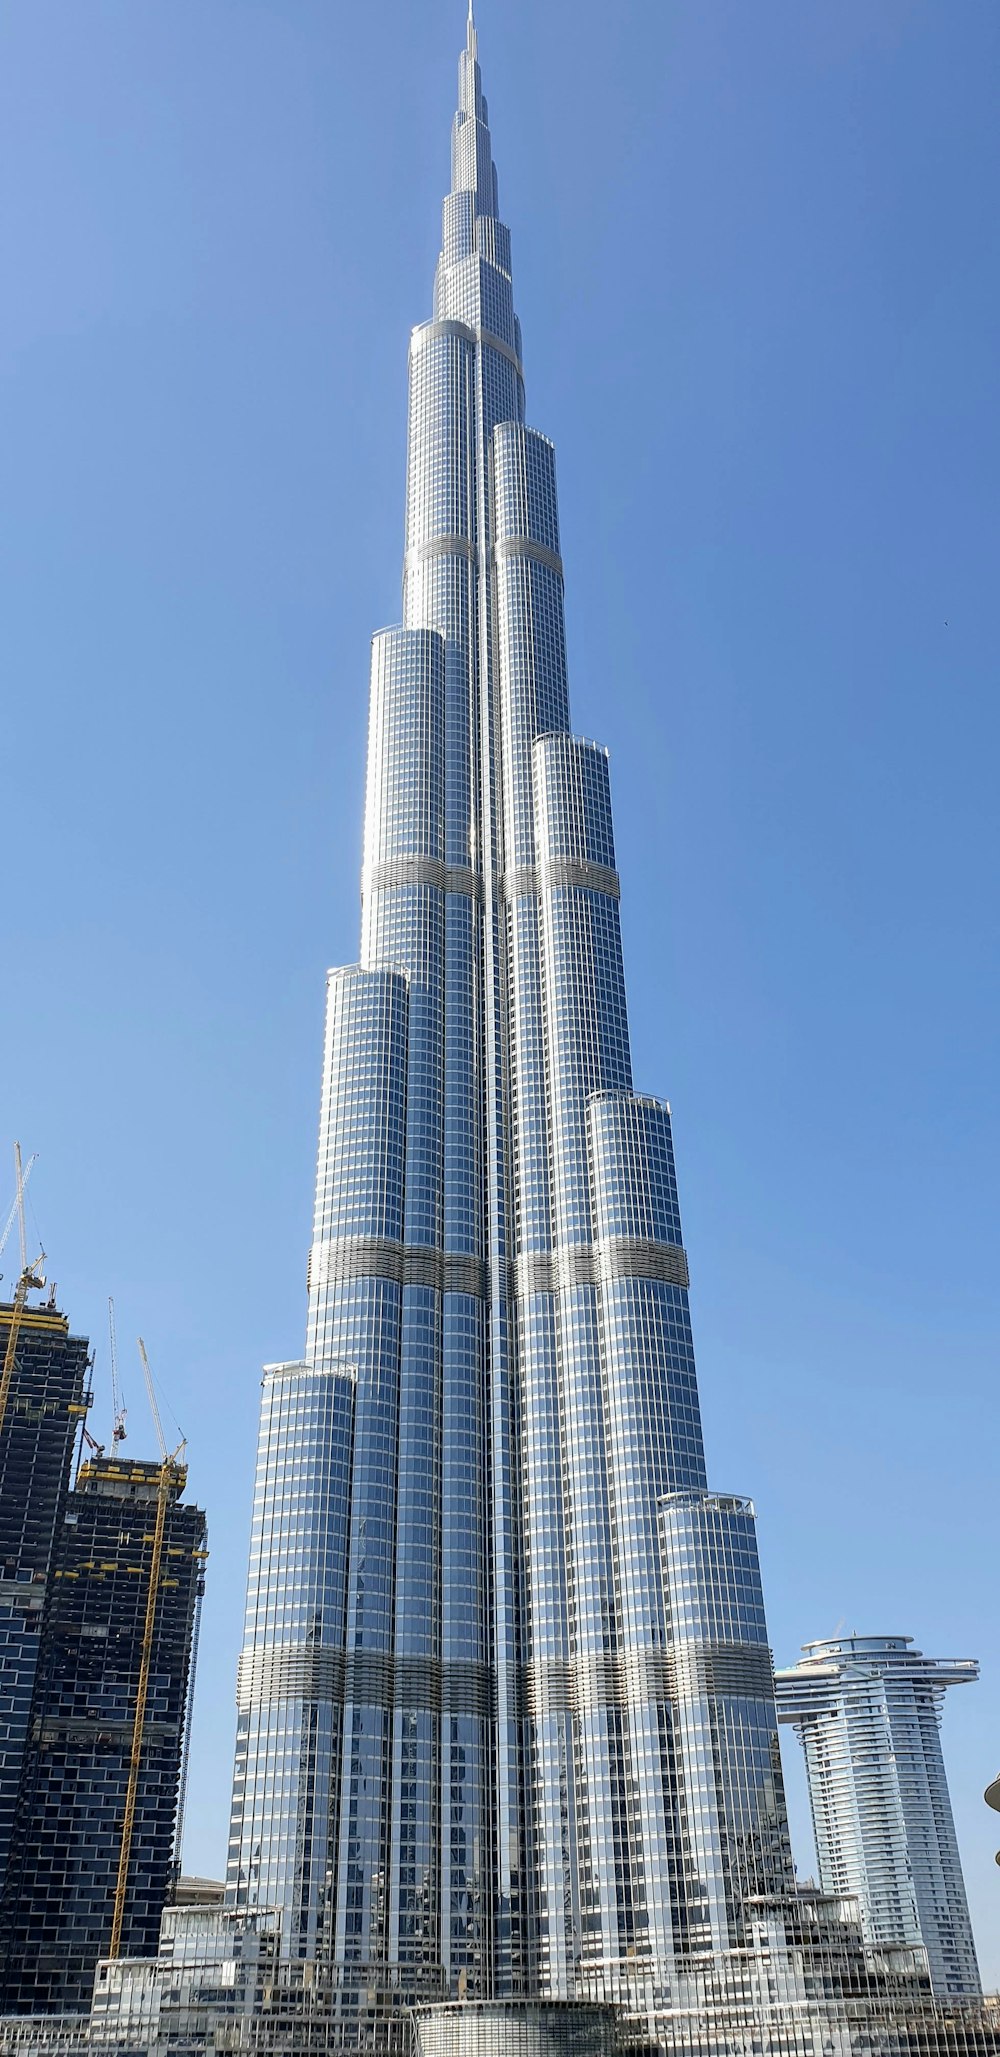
867 1711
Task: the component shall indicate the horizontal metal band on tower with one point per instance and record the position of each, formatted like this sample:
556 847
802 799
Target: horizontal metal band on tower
565 1685
363 1678
721 1670
654 1674
422 871
404 1264
369 1678
445 545
429 331
554 872
586 1264
537 1271
525 546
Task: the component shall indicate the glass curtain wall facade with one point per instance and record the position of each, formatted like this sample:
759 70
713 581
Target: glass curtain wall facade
497 1625
867 1711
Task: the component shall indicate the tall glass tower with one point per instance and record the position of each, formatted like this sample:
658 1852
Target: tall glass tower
507 1720
867 1711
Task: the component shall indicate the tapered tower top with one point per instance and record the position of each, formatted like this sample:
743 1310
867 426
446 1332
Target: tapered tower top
472 168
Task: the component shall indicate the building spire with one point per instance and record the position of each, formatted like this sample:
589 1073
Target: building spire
471 157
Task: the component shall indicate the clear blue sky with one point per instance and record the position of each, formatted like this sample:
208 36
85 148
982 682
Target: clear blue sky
755 254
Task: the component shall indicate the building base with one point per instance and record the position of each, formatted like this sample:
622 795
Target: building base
517 2028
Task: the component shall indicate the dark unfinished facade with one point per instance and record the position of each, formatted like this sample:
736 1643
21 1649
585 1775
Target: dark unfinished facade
64 1862
46 1400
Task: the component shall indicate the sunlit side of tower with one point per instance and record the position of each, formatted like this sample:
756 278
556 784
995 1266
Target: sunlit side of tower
867 1711
507 1720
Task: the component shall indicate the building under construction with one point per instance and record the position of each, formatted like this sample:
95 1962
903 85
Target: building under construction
89 1867
42 1399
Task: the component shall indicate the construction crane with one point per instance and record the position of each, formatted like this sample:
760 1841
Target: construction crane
172 1476
17 1205
119 1411
30 1280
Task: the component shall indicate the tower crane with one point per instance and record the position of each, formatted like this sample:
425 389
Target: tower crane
173 1474
17 1205
30 1279
119 1410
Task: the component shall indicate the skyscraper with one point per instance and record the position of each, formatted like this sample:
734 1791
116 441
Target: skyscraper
507 1720
867 1711
100 1620
44 1404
